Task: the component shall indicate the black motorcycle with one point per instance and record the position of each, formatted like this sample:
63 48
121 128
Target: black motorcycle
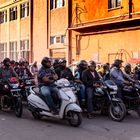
105 101
131 97
10 96
25 85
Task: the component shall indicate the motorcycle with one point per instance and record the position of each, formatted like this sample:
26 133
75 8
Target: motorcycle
68 109
131 97
105 101
25 85
10 96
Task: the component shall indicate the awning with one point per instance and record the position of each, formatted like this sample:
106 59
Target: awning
134 60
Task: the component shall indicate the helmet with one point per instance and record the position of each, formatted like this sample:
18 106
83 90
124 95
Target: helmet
6 60
21 63
127 65
45 60
105 66
92 63
55 63
62 61
117 62
127 68
83 64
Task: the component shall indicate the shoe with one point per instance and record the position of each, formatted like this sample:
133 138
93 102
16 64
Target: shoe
90 116
55 111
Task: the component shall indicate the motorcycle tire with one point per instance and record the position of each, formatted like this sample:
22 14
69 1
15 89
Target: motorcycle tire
75 118
117 111
18 107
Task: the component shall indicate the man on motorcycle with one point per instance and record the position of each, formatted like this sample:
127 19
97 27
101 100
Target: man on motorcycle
23 72
90 78
6 71
82 65
117 75
46 79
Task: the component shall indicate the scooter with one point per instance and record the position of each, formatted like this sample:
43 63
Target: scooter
68 109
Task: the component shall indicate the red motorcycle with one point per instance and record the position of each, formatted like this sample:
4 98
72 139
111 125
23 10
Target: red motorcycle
10 96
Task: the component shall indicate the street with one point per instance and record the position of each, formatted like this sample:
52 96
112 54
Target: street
99 128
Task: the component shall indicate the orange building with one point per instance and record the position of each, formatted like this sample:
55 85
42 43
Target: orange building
15 24
32 29
105 30
72 29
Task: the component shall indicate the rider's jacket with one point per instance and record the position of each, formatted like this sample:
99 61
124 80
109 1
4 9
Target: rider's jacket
6 73
89 78
117 76
24 73
45 72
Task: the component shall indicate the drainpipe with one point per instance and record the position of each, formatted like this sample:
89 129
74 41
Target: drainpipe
69 32
31 31
130 8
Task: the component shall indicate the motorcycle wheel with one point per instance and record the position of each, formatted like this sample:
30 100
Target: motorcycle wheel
18 107
36 115
117 111
75 118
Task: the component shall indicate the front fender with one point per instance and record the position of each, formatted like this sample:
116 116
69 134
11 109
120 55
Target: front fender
72 107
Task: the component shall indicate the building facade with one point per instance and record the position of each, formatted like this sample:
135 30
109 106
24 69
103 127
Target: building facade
105 30
15 34
32 29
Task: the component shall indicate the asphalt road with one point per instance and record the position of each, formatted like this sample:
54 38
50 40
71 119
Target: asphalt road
99 128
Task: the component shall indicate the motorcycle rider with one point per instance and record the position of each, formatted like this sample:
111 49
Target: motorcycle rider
90 79
23 71
128 72
117 75
46 79
81 66
6 71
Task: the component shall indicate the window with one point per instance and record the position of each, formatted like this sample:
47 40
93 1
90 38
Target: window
13 13
57 3
57 39
13 50
3 50
114 3
3 16
24 10
24 49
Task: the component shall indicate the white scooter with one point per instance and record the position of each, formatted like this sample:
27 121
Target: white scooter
68 108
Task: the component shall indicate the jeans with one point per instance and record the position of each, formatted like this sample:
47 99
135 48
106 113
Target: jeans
82 91
48 92
89 92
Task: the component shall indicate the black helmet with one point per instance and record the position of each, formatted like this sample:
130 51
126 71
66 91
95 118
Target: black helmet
127 65
6 60
92 63
45 60
83 64
21 63
62 61
117 62
56 62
